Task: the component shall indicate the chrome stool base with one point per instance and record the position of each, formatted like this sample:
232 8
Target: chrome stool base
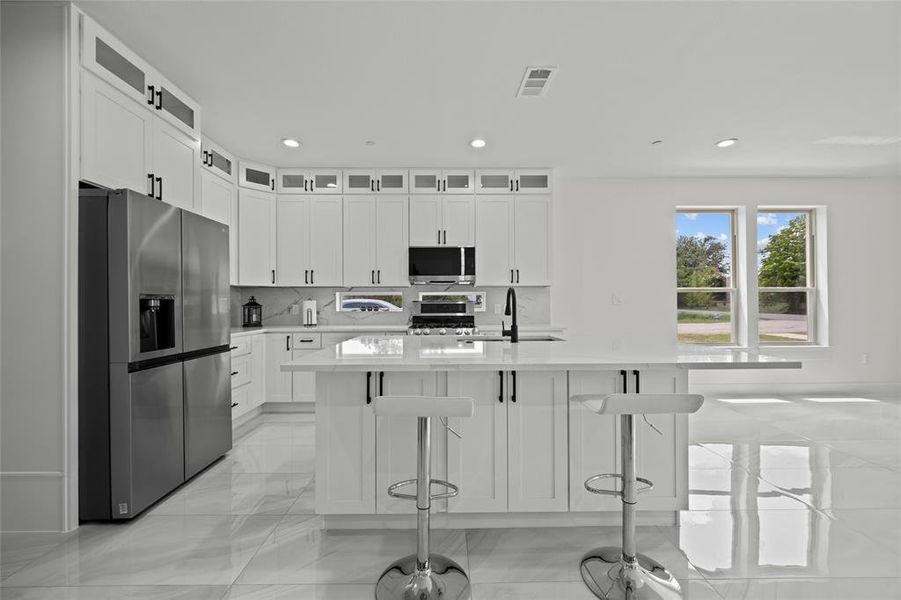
445 580
605 574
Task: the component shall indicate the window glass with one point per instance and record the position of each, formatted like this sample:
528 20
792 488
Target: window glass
782 249
377 302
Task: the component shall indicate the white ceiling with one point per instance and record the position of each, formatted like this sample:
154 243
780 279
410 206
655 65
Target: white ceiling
421 79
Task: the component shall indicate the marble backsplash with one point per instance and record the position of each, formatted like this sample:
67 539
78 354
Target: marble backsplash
533 305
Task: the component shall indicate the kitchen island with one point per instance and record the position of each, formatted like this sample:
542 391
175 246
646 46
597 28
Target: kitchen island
523 456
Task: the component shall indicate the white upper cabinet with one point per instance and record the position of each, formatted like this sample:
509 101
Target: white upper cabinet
494 240
495 181
438 181
103 54
513 240
305 181
116 137
309 241
216 159
376 241
368 181
176 166
533 181
255 176
219 201
514 181
256 238
442 220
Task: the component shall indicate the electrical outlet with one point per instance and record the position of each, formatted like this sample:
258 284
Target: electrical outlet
498 309
616 300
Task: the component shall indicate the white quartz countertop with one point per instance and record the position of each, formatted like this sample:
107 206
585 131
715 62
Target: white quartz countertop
416 353
367 328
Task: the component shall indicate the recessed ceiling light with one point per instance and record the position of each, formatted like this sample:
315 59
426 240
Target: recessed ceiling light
477 143
656 142
370 143
291 142
726 143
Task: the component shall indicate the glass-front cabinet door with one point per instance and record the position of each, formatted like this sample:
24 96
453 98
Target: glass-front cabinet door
458 181
217 160
292 181
425 181
104 55
359 181
255 176
533 181
326 181
392 181
174 105
495 181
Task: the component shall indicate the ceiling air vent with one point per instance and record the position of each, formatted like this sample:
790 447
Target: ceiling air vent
535 81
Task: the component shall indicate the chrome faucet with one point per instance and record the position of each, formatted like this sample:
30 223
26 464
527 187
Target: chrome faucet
510 311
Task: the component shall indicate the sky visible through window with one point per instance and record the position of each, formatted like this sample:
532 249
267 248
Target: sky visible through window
701 225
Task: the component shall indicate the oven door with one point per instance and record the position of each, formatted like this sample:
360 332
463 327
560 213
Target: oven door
449 265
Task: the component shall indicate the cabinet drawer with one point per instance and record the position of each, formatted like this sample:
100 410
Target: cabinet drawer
241 346
307 341
240 371
240 401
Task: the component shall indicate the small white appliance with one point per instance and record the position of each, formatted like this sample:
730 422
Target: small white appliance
308 310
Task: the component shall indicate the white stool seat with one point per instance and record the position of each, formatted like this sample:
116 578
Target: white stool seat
422 406
641 404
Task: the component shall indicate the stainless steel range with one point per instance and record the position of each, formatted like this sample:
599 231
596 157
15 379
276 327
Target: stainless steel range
443 318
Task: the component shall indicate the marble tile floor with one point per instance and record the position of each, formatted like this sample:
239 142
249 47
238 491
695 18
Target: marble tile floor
791 500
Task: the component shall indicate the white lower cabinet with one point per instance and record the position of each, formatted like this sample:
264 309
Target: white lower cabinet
513 455
593 445
278 382
396 445
248 356
345 444
303 384
256 238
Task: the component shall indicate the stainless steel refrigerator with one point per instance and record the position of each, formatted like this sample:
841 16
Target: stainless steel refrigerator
154 370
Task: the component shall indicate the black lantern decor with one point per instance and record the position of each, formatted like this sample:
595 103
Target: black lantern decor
253 313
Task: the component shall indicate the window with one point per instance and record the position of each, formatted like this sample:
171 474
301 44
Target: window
785 276
375 302
705 276
477 298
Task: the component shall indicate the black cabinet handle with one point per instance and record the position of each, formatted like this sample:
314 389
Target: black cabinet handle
305 182
511 185
511 275
159 191
500 396
439 236
517 275
438 185
234 404
381 383
372 276
234 373
378 185
273 276
233 348
368 392
288 343
312 278
625 375
150 89
513 391
306 275
637 381
378 276
159 99
371 185
152 187
517 185
445 237
306 341
272 184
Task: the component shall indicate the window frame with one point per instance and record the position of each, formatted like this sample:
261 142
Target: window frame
733 288
810 278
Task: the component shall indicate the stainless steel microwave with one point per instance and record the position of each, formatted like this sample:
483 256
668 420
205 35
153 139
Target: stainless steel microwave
443 265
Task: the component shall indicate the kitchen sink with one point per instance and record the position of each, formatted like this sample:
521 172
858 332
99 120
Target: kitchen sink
498 338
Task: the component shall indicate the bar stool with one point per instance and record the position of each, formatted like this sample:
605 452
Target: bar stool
423 576
621 572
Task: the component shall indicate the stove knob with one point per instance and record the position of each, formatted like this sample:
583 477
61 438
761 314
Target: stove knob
460 331
426 331
442 331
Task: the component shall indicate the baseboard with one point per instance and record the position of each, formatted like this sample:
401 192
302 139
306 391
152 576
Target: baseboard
497 520
783 388
289 407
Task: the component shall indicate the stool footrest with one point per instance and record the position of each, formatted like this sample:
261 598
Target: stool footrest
452 489
648 484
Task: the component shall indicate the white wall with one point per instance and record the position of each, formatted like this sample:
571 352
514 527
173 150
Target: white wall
617 237
34 298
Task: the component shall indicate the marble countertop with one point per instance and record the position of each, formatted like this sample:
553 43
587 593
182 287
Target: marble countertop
240 331
409 353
